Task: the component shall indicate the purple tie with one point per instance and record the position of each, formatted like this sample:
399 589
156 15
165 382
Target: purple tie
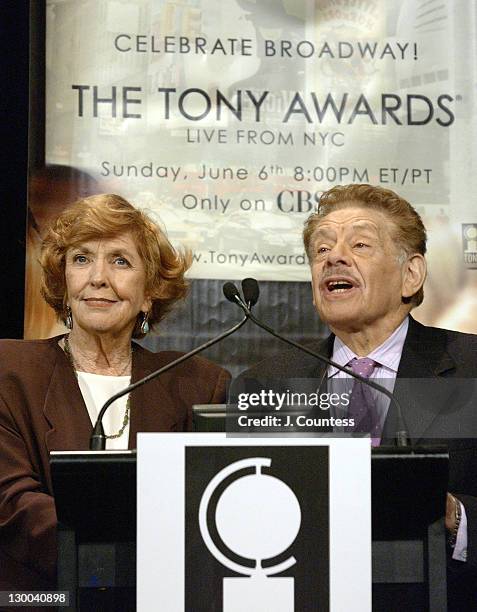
361 405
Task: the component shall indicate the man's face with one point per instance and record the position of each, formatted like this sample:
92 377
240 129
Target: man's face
358 280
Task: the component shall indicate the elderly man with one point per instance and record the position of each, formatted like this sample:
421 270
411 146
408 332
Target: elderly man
366 248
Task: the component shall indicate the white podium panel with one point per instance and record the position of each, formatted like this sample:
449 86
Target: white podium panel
253 524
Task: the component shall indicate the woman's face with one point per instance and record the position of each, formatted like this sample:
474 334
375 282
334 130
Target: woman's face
105 282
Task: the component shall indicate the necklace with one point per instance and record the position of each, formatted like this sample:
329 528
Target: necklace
68 353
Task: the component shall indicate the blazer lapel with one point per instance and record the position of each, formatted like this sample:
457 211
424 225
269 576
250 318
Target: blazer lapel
152 405
421 387
64 408
325 348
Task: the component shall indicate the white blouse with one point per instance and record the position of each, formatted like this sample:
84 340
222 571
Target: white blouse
96 390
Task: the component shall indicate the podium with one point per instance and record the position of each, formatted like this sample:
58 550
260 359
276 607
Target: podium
95 495
409 539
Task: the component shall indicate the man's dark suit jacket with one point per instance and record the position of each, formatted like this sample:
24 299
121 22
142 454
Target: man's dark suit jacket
442 357
42 409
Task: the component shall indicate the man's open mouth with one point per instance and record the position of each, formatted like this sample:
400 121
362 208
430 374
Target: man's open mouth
338 286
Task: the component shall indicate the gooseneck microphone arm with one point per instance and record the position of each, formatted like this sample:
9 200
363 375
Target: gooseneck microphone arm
98 438
232 294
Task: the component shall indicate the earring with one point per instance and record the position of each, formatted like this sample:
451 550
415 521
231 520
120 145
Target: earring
144 323
69 318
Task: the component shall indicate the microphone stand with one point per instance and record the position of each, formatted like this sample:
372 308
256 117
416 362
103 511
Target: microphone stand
98 438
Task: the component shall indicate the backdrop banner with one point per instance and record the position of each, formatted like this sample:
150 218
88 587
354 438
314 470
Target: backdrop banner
227 120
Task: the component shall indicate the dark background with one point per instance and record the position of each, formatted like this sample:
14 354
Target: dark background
14 54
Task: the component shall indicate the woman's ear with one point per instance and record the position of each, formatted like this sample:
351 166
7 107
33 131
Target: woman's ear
146 305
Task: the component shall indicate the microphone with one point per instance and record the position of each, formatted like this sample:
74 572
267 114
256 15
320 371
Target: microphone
250 291
232 294
98 438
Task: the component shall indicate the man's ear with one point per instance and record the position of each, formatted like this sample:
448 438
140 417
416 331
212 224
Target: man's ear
414 275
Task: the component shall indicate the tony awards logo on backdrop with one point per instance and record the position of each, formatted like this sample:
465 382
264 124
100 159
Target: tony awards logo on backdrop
469 238
257 517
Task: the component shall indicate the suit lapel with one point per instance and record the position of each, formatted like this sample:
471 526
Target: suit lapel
152 405
421 386
424 352
64 408
325 348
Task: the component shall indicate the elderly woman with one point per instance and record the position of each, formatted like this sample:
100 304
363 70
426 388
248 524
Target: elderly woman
110 274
